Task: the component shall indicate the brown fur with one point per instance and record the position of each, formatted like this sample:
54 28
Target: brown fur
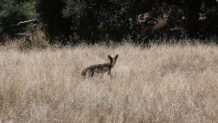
100 68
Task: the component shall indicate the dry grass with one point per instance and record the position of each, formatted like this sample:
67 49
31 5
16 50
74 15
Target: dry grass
171 84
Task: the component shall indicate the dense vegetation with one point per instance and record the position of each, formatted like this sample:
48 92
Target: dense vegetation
76 21
161 84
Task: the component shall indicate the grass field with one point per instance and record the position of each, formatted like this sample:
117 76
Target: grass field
161 84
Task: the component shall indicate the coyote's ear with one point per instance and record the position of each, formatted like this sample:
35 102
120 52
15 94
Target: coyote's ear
110 57
116 56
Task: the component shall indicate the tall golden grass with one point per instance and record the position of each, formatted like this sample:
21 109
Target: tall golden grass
171 84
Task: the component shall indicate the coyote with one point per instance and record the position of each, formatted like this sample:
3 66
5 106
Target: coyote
100 68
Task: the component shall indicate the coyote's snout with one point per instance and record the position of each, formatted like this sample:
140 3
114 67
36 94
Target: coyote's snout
100 68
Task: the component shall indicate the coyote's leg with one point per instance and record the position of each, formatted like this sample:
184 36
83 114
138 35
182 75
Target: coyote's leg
91 74
109 73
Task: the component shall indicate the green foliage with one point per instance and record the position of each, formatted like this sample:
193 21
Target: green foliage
10 15
30 9
103 20
93 20
100 20
14 11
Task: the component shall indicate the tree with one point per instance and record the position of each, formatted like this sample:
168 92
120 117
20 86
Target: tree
103 20
95 19
57 28
12 12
